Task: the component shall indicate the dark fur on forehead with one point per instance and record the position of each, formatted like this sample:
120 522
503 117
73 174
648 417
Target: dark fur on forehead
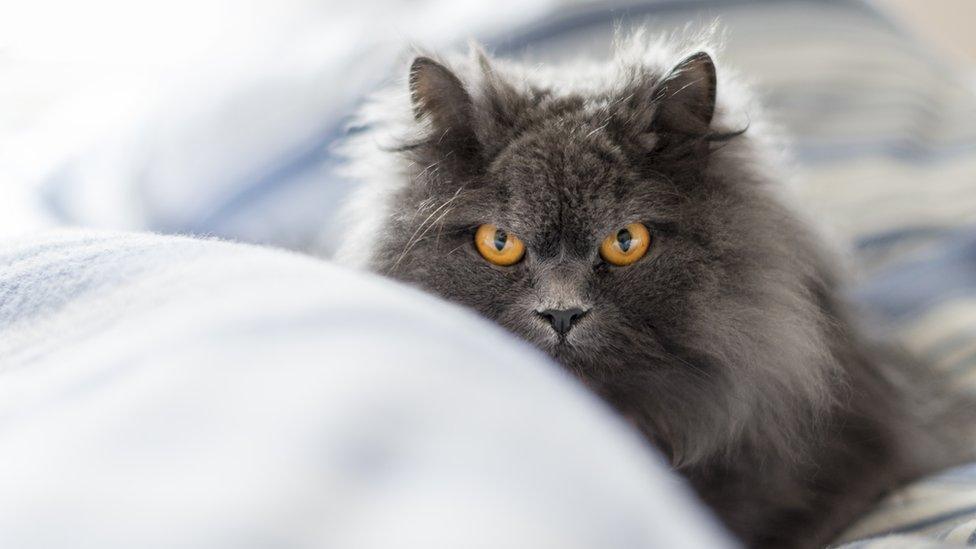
662 121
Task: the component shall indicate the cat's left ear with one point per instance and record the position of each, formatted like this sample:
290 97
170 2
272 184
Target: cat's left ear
437 94
685 98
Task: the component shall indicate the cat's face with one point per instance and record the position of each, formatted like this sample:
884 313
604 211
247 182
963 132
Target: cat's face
621 252
561 194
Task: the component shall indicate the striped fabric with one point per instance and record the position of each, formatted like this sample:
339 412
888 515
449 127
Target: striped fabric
941 508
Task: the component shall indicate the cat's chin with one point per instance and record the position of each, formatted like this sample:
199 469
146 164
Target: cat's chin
574 356
559 346
560 349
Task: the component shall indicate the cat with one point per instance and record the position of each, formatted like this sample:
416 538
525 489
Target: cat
626 218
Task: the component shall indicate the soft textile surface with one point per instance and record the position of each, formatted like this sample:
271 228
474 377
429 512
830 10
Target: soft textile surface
941 509
167 392
237 143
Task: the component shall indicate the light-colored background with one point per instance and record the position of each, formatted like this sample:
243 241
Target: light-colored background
947 23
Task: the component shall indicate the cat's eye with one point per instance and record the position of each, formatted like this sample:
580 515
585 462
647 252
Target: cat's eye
626 246
498 246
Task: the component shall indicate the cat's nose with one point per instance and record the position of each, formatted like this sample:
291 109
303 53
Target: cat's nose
562 319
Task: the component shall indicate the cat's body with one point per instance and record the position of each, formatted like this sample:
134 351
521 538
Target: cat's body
727 344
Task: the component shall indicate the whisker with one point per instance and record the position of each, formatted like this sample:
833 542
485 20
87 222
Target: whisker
419 239
424 228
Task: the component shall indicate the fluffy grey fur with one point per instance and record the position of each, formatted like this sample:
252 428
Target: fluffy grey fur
727 345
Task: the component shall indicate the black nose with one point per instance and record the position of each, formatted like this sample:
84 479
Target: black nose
562 319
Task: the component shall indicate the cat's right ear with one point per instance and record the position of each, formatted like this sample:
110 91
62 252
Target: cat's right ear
438 95
686 98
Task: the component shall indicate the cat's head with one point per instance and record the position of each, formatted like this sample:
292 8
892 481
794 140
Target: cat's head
621 224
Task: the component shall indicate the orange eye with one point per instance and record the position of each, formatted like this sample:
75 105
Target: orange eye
497 246
626 245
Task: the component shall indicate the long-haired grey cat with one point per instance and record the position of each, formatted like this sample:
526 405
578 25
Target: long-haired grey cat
624 218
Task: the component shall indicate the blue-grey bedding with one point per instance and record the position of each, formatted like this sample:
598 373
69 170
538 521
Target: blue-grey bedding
882 132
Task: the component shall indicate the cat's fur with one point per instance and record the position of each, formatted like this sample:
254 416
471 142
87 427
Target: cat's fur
728 345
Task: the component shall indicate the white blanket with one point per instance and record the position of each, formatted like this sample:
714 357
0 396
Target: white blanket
169 392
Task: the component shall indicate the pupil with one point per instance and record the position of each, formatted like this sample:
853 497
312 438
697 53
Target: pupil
500 239
624 239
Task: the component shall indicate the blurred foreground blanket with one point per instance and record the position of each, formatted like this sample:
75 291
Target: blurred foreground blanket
168 392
